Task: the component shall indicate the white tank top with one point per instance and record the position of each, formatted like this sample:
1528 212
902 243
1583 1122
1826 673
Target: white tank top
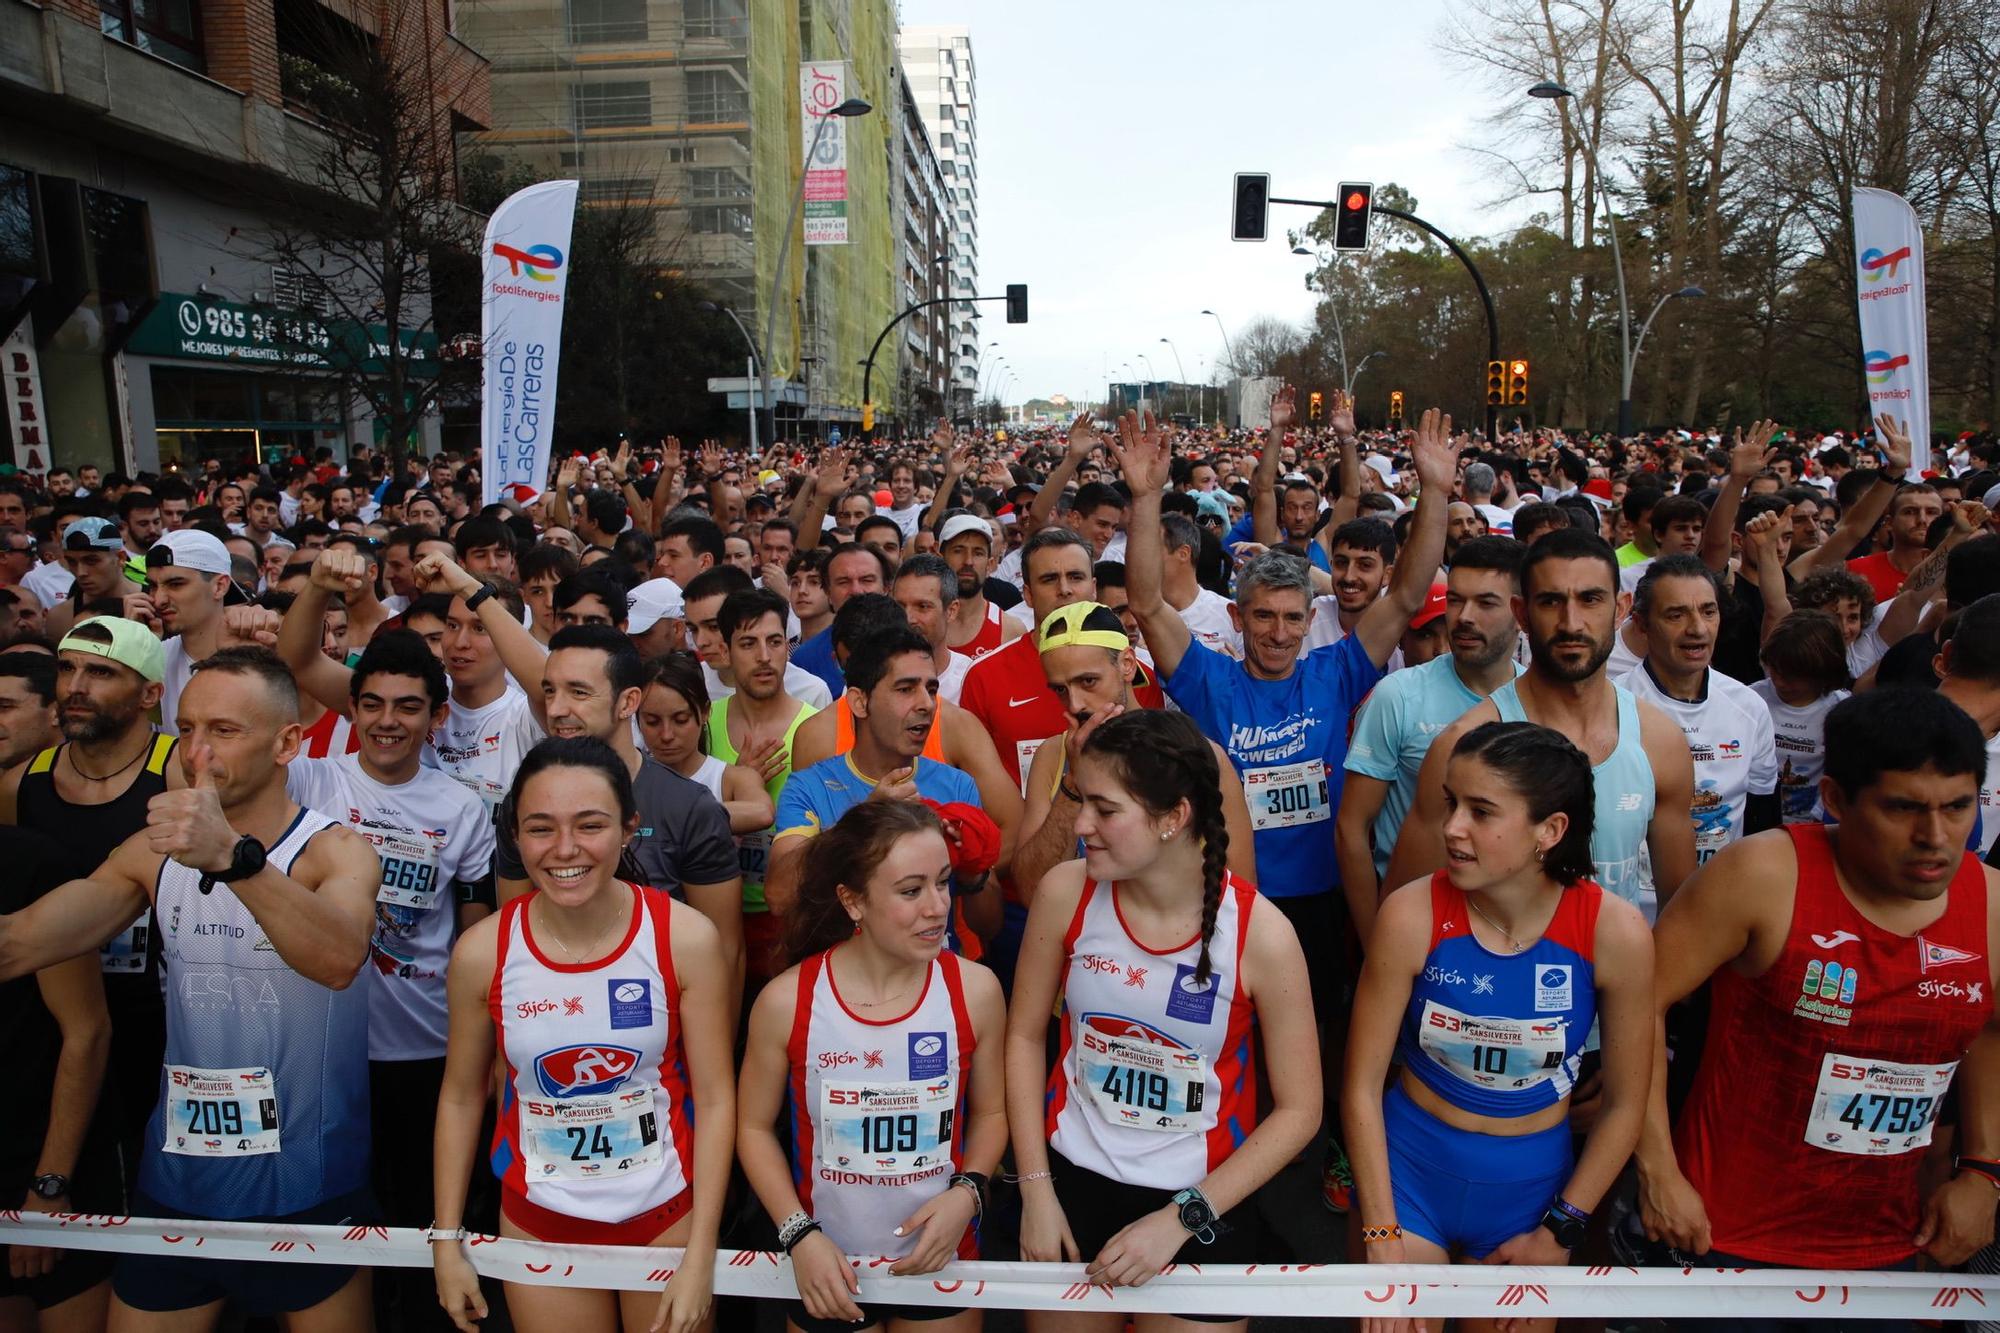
709 775
878 1108
1155 1082
595 1123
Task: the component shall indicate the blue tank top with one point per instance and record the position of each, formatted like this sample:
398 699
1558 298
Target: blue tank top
263 1105
1624 789
1502 1034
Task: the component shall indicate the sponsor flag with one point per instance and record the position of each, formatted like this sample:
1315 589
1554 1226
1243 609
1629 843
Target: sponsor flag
524 279
822 87
1889 249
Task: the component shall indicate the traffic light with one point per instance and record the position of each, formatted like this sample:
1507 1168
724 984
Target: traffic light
1314 406
1496 383
1354 205
1396 410
1017 303
1250 206
868 416
1517 383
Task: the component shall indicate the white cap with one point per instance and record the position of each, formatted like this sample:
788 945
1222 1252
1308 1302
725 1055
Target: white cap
960 524
650 603
1382 467
196 550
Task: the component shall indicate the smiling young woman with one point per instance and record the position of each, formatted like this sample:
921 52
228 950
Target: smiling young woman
618 1110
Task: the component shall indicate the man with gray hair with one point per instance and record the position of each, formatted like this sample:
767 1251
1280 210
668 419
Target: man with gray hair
1477 486
1206 613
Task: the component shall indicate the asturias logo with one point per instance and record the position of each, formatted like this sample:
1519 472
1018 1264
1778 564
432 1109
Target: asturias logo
1882 367
1875 266
538 261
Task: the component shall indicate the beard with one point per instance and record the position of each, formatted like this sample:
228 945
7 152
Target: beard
101 723
1541 650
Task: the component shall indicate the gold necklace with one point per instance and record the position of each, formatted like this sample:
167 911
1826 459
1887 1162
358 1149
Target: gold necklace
576 957
1518 946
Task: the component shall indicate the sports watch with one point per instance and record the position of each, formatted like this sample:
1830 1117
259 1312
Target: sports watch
50 1186
1566 1223
246 860
1197 1214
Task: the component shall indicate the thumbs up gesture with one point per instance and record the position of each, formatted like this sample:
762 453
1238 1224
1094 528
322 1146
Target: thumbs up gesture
188 825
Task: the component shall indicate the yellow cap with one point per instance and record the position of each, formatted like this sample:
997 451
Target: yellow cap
1064 628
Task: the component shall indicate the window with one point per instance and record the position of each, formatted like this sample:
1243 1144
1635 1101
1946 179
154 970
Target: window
166 28
726 19
617 189
20 255
593 21
714 98
612 105
720 221
121 243
717 183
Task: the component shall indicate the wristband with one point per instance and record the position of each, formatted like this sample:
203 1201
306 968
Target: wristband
1069 791
477 599
1028 1176
1978 1166
436 1233
804 1231
791 1228
1377 1235
974 1181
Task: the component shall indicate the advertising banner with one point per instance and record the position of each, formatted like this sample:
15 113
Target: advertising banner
822 87
1890 248
524 279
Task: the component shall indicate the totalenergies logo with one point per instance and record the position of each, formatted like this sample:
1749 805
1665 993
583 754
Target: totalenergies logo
1876 266
538 262
1882 367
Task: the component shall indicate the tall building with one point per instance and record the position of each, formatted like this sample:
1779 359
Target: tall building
938 62
148 154
693 111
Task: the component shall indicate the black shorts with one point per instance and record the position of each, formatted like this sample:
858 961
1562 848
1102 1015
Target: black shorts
1098 1208
871 1316
93 1189
161 1283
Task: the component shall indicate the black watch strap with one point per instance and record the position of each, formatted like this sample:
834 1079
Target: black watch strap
473 602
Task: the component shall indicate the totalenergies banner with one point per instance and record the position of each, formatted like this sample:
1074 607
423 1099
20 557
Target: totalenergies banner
525 277
1889 246
822 87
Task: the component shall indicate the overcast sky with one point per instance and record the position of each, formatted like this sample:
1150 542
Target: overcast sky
1108 134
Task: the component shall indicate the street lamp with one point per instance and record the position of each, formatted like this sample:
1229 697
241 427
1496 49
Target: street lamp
1691 293
1361 367
1151 378
1339 334
853 106
1179 369
1234 369
756 360
1550 91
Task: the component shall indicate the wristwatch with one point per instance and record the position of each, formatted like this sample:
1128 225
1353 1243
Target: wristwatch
1567 1224
246 860
51 1186
1197 1214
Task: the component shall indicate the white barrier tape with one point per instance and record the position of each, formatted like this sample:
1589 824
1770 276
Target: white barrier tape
1302 1290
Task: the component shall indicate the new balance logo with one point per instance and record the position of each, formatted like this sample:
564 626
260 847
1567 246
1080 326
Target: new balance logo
1629 800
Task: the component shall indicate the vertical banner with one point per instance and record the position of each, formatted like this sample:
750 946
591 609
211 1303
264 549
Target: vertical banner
1889 246
24 400
822 87
525 274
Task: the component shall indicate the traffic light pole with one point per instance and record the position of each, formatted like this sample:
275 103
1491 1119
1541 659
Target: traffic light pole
1485 297
868 366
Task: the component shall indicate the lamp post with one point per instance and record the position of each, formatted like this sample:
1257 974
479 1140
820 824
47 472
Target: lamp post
1179 369
1332 308
1151 378
756 360
1690 292
853 106
1549 91
1359 367
1234 369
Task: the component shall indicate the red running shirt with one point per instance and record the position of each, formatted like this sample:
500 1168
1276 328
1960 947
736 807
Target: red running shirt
1823 1077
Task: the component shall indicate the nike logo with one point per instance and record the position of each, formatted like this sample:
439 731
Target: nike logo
1023 703
1835 940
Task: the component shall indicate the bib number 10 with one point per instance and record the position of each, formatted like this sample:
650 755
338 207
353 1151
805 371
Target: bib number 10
1136 1087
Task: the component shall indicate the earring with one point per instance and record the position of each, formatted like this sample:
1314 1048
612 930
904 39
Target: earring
1540 853
1165 834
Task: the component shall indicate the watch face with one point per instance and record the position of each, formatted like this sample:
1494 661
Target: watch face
1196 1215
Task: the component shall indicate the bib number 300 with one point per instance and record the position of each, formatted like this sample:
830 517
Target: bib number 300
1288 795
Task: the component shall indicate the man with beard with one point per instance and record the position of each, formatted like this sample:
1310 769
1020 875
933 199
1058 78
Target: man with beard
977 625
1363 561
1569 604
1395 726
436 848
28 719
1091 664
92 791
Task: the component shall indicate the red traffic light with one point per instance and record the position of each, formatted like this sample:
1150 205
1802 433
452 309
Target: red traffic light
1356 201
1350 224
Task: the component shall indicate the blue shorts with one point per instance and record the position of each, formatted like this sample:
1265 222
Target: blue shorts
161 1283
1470 1193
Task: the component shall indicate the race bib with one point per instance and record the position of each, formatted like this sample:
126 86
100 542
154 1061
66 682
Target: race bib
887 1129
1288 795
1503 1053
1142 1086
1024 755
220 1112
125 952
753 854
1873 1108
409 871
590 1138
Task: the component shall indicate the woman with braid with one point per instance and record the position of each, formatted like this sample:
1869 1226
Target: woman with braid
1138 1147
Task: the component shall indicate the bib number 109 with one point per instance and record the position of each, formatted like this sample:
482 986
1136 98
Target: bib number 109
888 1133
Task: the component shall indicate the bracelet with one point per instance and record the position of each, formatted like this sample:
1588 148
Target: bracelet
975 1182
437 1233
1571 1211
474 602
1979 1166
1377 1235
1031 1175
790 1229
804 1231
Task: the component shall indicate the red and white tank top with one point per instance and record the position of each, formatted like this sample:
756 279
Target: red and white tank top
595 1122
1828 1071
988 638
331 736
878 1108
1155 1082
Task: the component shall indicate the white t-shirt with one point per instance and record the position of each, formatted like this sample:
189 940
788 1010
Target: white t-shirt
483 747
1207 618
179 670
1623 661
800 683
906 519
1800 734
1731 739
1326 630
50 583
1499 522
1628 577
431 833
951 680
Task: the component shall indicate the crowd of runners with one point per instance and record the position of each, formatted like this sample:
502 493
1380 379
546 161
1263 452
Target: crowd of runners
1025 843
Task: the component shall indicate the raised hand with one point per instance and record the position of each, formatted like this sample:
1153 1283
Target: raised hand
711 459
1895 443
1083 435
341 569
670 455
1340 415
1284 408
831 479
250 627
1142 455
437 573
943 436
1434 452
1969 516
1753 453
1760 535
